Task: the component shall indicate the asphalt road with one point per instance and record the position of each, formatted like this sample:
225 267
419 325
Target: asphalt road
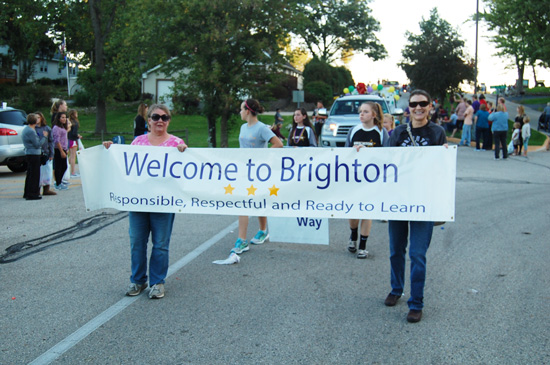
64 272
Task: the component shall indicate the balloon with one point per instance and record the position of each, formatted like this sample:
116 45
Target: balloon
346 91
380 87
396 97
391 89
374 86
370 89
351 88
354 92
361 88
348 94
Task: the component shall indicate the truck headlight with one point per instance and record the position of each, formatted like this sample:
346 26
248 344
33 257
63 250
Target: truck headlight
330 128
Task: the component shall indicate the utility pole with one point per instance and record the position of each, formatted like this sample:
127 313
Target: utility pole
475 62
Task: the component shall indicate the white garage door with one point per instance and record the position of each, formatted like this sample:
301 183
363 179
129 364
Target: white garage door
164 88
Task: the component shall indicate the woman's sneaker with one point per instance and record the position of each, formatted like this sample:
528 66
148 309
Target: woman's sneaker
61 187
259 238
134 289
240 246
352 246
362 254
157 291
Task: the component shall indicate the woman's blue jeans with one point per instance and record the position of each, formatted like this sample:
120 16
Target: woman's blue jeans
160 226
420 237
466 135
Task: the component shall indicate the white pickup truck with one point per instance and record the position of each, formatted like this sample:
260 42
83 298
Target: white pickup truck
344 115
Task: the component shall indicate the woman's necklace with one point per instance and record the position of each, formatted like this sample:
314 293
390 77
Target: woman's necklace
297 139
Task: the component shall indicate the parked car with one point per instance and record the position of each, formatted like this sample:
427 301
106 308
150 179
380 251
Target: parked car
12 151
344 115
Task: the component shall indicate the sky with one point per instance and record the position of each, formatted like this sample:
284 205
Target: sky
398 16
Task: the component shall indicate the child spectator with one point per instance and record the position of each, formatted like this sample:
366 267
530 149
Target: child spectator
526 132
515 138
389 123
73 137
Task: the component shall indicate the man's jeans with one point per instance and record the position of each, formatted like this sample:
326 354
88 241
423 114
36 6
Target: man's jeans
420 237
160 226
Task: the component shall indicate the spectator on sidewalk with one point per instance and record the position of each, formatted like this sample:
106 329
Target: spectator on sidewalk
460 110
482 128
500 130
526 133
468 122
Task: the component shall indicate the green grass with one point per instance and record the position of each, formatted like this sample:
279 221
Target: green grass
541 100
192 128
538 90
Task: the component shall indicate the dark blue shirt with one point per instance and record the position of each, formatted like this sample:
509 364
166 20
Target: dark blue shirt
482 119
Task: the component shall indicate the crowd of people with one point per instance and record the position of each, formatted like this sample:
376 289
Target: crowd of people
57 150
478 120
375 130
54 149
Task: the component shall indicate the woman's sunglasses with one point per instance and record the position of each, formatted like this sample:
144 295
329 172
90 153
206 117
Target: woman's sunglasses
156 117
414 104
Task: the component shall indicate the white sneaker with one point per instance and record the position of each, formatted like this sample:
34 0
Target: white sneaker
352 246
362 254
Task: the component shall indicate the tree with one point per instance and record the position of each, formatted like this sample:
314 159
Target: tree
89 34
330 29
224 51
435 60
522 29
336 79
25 25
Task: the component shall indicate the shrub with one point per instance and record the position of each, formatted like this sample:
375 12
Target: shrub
33 97
7 92
83 98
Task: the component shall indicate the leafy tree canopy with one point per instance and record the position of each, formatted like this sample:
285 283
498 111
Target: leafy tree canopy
522 28
331 29
25 26
434 60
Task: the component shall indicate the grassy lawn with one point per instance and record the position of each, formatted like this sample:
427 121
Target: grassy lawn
541 100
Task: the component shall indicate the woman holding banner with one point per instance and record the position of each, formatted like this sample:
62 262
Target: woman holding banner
253 134
419 132
158 225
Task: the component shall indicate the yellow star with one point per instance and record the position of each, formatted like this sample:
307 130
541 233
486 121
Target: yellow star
251 190
273 190
229 189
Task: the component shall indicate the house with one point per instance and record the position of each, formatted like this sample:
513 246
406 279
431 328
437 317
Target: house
45 67
160 85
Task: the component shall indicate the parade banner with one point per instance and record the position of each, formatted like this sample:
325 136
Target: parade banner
393 183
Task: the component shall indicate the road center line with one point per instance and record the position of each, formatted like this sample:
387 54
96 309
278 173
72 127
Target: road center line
81 333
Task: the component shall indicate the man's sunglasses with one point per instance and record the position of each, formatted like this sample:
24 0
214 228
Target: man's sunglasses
414 104
156 117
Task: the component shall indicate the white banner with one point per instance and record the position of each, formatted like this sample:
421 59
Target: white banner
396 183
298 230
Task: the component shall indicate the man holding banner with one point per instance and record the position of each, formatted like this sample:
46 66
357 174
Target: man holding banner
422 133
